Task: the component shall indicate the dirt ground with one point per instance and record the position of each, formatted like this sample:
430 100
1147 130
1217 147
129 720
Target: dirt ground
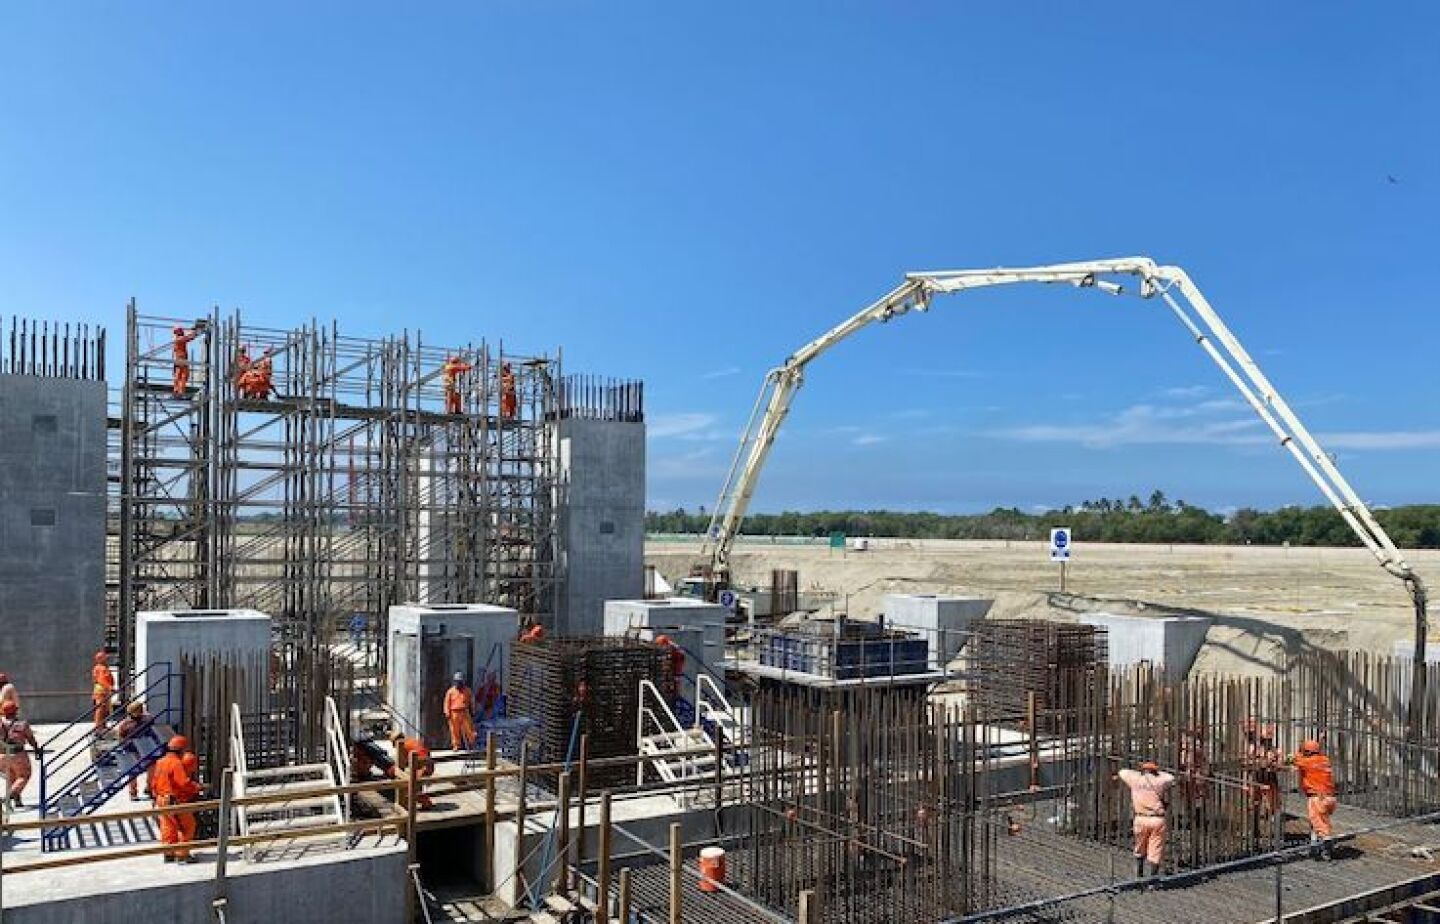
1264 601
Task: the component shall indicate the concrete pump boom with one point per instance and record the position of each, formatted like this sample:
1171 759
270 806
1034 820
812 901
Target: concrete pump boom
778 390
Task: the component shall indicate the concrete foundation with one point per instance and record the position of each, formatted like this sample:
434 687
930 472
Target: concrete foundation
170 636
696 626
52 539
944 620
363 886
1163 642
602 520
429 643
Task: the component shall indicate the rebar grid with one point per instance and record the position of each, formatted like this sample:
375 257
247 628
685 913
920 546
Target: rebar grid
347 490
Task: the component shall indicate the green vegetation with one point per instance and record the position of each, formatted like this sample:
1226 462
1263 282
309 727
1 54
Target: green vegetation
1153 520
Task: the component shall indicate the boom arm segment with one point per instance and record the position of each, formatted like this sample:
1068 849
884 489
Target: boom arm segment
1193 311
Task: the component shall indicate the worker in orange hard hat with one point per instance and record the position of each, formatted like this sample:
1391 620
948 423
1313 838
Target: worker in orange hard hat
675 665
1317 782
535 633
450 377
15 734
264 375
508 404
241 364
174 785
413 759
1149 799
102 688
8 693
181 346
1261 762
458 708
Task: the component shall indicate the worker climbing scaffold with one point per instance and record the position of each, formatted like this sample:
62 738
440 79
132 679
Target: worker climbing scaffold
450 377
181 346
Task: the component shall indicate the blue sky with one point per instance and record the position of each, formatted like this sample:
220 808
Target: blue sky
687 192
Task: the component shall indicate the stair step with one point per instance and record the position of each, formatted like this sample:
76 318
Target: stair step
271 773
299 823
291 806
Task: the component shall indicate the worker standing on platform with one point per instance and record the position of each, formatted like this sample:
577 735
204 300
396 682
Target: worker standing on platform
1149 799
241 364
15 734
450 377
413 759
175 785
265 374
8 693
459 704
102 688
1317 782
508 403
181 346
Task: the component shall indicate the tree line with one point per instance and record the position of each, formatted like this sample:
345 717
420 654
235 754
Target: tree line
1155 520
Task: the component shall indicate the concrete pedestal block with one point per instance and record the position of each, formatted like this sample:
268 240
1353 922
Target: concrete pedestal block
1164 642
239 637
430 642
672 616
944 620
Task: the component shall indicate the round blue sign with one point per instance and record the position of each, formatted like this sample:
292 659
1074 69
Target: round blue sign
1061 539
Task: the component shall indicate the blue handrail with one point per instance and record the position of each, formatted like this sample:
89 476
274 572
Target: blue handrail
172 685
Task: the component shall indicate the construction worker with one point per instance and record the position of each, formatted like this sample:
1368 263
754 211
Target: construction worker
1317 782
137 737
265 374
173 784
181 346
102 689
15 733
459 705
508 404
8 693
675 664
489 695
413 759
450 376
530 636
1195 768
1262 762
1149 799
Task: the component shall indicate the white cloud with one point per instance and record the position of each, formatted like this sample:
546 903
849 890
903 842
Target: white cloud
691 425
721 373
1186 391
700 463
868 439
1383 439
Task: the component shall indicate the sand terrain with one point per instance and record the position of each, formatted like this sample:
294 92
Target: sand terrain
1264 601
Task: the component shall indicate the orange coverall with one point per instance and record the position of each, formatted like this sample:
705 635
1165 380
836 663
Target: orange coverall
1317 782
458 705
173 785
14 735
450 376
507 393
413 758
182 361
102 691
1148 792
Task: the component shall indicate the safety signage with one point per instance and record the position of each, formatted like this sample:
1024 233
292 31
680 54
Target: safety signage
728 599
1060 540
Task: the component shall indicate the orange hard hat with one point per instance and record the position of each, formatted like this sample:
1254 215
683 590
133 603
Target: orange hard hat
9 707
1150 766
663 640
178 743
101 657
1310 746
190 762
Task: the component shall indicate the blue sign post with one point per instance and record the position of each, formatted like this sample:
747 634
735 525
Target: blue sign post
1061 540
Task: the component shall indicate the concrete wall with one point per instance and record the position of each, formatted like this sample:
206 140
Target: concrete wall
696 626
169 636
602 520
944 620
1170 642
490 631
52 539
357 887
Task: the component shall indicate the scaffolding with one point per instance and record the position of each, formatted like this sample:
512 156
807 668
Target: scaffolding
349 488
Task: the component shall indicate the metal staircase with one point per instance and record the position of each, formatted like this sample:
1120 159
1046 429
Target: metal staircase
79 777
304 817
680 753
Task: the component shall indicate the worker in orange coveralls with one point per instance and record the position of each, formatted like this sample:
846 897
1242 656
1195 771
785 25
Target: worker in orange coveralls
241 365
1149 798
508 404
459 704
102 688
15 733
413 759
677 662
1317 782
181 345
174 784
450 376
257 381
